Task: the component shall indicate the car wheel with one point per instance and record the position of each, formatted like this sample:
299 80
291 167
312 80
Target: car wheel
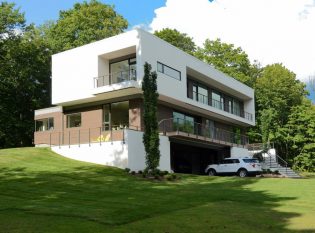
211 172
242 173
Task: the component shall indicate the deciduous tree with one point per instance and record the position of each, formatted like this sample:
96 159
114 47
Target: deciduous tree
24 77
178 39
86 22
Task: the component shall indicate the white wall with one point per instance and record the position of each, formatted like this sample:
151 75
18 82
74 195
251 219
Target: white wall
179 60
238 152
73 70
136 153
111 154
118 154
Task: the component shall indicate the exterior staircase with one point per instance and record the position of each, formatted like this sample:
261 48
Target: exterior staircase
273 165
272 161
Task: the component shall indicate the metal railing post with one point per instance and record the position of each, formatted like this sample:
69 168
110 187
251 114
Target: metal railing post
111 135
177 120
164 130
123 136
89 136
100 136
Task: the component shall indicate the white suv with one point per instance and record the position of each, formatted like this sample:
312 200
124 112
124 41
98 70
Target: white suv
241 166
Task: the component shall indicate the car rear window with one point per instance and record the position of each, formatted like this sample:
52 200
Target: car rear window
251 160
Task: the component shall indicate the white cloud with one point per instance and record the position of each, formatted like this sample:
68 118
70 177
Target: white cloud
268 30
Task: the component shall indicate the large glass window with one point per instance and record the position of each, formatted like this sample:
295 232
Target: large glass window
116 115
44 124
216 100
168 71
123 70
183 122
202 95
236 108
74 120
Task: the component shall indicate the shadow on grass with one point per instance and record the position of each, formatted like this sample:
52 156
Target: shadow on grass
102 199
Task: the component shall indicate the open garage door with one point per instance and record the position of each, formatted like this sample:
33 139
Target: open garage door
193 158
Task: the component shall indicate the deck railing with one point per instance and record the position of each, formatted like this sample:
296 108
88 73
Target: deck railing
205 131
117 77
222 106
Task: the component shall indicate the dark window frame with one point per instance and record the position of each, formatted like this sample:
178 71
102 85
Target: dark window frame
68 120
50 124
163 72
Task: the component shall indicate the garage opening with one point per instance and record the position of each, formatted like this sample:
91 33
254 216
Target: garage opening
193 158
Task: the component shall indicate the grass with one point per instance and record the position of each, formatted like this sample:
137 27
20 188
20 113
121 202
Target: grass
43 192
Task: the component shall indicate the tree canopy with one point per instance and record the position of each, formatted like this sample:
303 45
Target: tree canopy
84 23
24 77
228 59
178 39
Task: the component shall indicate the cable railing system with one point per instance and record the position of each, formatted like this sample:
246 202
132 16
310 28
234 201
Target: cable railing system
201 131
116 77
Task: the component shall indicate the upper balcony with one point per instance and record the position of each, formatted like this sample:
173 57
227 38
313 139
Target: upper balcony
114 78
233 107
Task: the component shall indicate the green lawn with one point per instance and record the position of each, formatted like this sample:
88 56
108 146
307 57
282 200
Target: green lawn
44 192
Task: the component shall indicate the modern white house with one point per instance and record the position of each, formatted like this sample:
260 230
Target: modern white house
96 90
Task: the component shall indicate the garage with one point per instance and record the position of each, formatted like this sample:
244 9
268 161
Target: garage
193 157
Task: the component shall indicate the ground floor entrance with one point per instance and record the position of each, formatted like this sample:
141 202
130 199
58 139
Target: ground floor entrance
194 157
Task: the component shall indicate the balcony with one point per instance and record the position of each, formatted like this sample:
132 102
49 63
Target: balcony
180 128
207 100
115 78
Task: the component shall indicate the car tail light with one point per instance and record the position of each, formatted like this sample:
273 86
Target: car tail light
253 165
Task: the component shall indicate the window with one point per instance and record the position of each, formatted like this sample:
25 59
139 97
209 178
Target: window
116 115
168 71
44 124
216 100
124 70
74 120
183 122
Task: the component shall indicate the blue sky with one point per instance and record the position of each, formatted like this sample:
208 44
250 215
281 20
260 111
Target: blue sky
135 11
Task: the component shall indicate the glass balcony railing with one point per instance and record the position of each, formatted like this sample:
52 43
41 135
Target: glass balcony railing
113 78
222 106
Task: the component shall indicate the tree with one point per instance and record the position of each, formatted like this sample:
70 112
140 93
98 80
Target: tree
179 40
86 22
278 88
299 134
277 93
11 20
228 59
151 134
24 77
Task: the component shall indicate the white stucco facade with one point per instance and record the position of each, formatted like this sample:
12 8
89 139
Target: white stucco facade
129 153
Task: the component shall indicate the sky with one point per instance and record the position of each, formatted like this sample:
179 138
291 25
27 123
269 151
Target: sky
269 31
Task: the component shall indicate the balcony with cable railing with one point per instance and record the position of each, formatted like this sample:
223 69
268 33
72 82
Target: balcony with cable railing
181 128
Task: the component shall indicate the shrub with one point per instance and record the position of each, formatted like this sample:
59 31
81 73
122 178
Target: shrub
140 172
169 177
133 173
127 169
163 173
305 162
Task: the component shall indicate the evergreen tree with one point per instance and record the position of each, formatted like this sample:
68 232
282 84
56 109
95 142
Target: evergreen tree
151 139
